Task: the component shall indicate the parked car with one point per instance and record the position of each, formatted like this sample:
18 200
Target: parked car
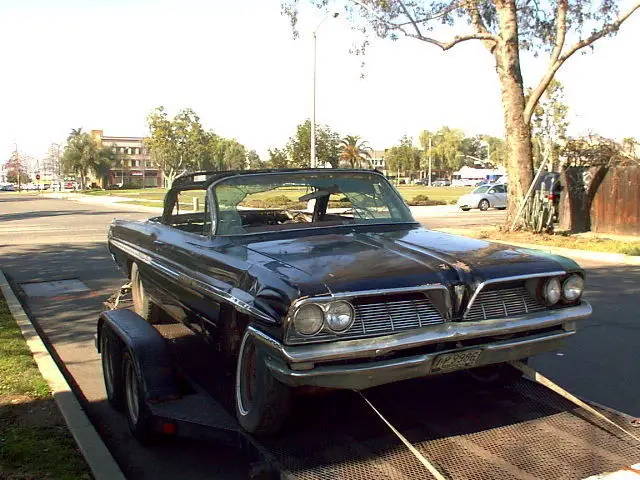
484 197
290 297
440 182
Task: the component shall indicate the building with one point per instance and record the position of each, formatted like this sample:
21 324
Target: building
468 176
134 166
377 160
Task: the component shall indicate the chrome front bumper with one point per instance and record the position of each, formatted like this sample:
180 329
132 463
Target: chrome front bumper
359 367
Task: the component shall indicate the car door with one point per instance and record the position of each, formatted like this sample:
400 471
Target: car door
499 196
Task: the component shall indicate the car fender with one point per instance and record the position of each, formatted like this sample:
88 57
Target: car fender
149 352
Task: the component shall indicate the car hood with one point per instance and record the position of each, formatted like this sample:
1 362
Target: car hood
357 261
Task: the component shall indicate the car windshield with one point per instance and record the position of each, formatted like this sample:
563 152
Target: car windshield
482 189
291 200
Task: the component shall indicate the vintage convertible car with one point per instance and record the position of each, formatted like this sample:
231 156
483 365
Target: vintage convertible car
323 278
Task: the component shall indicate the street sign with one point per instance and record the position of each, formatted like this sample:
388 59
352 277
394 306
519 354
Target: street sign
38 176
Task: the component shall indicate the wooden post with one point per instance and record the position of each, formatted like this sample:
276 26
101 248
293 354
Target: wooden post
196 204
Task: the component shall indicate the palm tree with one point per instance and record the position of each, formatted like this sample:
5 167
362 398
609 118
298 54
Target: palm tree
355 152
75 132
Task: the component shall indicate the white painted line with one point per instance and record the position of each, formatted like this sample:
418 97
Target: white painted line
95 452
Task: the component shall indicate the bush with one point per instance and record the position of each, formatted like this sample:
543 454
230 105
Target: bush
425 201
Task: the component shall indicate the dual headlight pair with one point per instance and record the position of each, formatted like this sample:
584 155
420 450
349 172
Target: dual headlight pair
570 289
337 316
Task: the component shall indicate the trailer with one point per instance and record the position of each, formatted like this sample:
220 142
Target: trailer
444 427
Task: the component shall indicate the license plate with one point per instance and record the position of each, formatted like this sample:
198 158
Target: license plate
455 361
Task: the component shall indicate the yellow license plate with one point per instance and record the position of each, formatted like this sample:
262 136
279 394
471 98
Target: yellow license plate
455 361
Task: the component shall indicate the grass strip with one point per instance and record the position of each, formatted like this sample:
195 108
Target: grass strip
576 242
34 440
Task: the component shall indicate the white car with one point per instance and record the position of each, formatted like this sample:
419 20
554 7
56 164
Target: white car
484 197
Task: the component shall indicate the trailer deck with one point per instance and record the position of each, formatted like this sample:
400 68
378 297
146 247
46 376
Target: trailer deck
525 431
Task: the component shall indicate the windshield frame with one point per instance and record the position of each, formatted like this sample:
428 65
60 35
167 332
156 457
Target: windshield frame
396 198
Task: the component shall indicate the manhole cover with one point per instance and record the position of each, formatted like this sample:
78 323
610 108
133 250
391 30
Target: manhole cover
52 289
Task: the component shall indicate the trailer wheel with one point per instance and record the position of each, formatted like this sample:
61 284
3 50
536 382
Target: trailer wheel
498 375
262 402
111 357
135 407
142 304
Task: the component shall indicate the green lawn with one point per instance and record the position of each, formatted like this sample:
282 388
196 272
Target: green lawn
34 440
154 196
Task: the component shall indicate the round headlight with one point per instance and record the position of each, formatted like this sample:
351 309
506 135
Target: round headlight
572 288
552 291
340 316
308 319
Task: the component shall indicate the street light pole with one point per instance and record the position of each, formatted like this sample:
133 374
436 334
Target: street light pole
313 115
429 177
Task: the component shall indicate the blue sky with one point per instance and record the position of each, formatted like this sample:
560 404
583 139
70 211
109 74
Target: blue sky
107 64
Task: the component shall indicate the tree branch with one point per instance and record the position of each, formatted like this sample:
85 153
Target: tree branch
419 36
561 31
478 23
560 58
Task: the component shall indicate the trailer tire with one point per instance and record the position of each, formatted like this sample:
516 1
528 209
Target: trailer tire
262 403
136 410
111 358
142 304
498 375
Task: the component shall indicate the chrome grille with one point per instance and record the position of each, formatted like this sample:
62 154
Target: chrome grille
380 316
502 303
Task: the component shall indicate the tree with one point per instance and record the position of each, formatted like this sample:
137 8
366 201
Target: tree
403 157
277 159
83 155
549 123
298 147
445 149
355 152
253 160
230 155
177 144
16 169
559 28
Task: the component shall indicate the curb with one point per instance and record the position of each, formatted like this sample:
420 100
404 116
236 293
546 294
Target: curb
95 452
116 202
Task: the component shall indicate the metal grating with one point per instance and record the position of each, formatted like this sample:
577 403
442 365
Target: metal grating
503 303
524 432
375 317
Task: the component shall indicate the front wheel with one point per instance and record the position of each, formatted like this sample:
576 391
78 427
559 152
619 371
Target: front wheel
484 205
262 402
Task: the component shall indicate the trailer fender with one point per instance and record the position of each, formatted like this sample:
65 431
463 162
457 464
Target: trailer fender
148 350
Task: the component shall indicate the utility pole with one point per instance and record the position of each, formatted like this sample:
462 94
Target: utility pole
17 162
313 116
429 177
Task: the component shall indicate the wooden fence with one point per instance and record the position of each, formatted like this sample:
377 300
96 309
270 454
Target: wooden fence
616 204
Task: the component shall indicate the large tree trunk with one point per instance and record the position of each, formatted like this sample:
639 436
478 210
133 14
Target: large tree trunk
517 131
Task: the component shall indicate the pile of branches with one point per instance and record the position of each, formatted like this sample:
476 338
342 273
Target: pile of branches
598 151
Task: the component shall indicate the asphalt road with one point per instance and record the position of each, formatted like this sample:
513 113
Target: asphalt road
47 239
